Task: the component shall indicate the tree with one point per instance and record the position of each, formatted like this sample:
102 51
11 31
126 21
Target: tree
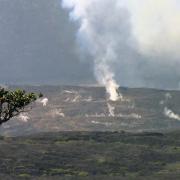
12 103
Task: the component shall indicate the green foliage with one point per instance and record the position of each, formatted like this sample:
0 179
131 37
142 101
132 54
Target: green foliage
12 103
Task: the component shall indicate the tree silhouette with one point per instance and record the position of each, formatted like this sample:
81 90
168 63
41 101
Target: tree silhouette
12 103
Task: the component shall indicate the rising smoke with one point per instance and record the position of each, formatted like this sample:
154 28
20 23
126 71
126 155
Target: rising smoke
111 110
170 114
43 101
156 26
57 113
136 36
24 117
97 37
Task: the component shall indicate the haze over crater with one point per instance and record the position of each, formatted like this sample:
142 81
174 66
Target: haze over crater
39 43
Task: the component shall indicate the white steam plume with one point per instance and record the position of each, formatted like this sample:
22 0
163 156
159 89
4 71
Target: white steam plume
111 110
43 101
155 25
57 113
97 37
101 123
24 117
130 38
170 114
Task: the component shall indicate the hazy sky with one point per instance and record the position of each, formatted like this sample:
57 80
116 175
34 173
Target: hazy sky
38 43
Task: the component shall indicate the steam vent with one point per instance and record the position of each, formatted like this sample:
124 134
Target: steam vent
71 108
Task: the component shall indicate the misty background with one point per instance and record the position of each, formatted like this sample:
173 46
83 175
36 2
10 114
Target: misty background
38 46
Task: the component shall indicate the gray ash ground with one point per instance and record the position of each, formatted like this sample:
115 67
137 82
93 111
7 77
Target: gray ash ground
73 108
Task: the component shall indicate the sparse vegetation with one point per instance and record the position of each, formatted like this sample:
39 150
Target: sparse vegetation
92 155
